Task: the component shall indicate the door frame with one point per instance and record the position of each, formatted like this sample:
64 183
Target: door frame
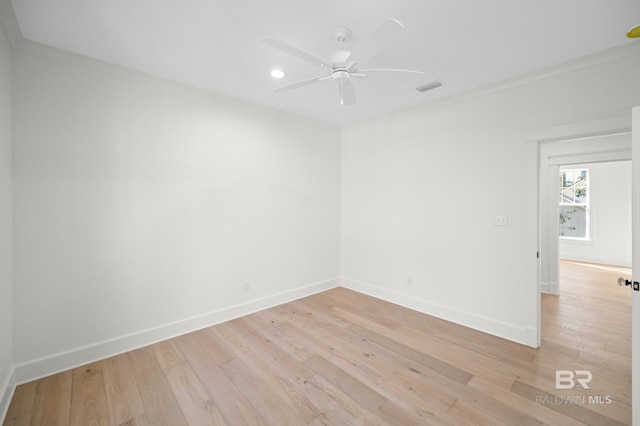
603 148
535 137
635 253
588 127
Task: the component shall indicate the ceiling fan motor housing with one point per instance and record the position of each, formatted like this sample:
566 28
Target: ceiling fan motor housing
341 74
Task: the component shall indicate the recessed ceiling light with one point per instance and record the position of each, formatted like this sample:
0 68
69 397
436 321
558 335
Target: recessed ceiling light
277 73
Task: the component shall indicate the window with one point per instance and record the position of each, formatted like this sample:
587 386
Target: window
574 203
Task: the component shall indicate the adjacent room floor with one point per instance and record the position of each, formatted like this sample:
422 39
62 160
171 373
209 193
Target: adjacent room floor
340 357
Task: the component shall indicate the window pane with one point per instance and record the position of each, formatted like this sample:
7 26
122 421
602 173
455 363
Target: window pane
569 178
568 196
573 188
573 221
580 192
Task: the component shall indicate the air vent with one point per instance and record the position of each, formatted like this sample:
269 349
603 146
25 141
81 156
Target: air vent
429 86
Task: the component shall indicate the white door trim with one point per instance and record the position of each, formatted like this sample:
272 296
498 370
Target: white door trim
617 122
603 148
635 310
613 123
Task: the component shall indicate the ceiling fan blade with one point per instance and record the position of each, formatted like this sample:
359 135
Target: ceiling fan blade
390 70
301 83
296 51
347 93
372 43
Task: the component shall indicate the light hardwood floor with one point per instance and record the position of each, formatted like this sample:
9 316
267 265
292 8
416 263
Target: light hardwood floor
343 358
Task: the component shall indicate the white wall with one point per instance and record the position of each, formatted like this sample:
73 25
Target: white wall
6 285
610 217
141 204
420 192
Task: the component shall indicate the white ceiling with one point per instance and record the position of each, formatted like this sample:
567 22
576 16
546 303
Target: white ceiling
216 44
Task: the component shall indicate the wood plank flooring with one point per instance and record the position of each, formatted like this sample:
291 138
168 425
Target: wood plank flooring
342 358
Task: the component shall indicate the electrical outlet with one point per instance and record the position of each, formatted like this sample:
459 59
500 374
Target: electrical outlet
246 286
501 221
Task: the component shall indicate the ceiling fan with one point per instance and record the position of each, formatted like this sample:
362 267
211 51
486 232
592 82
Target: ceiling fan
341 65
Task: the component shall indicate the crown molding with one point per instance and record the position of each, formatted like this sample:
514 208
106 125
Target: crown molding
625 51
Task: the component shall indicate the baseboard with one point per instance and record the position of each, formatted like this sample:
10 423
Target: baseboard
56 363
597 259
524 335
6 393
549 288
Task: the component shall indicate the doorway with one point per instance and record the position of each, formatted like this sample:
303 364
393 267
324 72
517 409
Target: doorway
602 155
600 140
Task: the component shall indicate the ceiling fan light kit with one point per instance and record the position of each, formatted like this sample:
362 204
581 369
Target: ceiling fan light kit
341 65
